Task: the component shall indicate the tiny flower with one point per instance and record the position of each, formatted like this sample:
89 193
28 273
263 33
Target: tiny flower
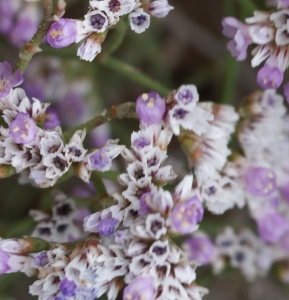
185 216
8 79
99 160
139 20
140 288
260 181
144 208
40 260
95 21
52 119
22 129
272 226
150 108
159 8
62 33
107 226
235 29
90 48
187 94
270 77
4 258
67 287
200 249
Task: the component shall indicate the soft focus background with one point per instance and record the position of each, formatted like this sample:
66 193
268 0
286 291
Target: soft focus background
185 47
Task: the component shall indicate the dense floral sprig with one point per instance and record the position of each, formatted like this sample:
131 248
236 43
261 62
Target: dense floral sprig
269 31
102 16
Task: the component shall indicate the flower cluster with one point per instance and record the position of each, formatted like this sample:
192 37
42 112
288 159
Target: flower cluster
103 15
269 31
25 145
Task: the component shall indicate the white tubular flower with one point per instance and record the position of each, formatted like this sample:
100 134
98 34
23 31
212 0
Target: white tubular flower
139 20
51 143
90 48
159 8
115 7
74 150
95 21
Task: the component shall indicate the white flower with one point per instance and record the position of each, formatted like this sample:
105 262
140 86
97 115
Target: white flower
95 21
89 48
195 119
139 20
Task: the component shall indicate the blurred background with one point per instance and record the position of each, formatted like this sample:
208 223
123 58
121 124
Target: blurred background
185 47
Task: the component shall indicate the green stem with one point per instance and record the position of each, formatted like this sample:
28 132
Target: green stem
134 74
125 110
248 5
116 38
29 49
231 69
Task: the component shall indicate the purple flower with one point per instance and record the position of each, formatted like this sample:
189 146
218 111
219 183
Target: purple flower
62 33
4 258
272 226
270 77
200 249
159 8
8 79
22 129
185 216
52 119
235 29
144 208
140 288
99 160
67 287
41 259
106 226
22 32
150 108
260 181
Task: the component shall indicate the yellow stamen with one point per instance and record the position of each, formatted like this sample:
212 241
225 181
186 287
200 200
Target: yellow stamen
23 135
145 96
15 129
151 103
56 33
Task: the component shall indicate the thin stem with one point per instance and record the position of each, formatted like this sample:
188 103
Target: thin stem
125 110
29 49
116 38
134 74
